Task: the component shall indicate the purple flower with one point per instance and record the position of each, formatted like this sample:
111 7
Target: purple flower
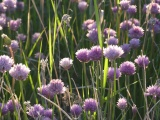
36 36
66 63
76 110
109 32
132 9
93 35
114 9
157 1
3 21
126 25
153 90
10 4
86 23
21 37
126 48
135 21
11 106
47 113
111 73
124 4
20 6
82 55
4 109
134 43
136 32
15 24
122 103
127 68
14 45
112 41
90 104
95 53
44 90
154 25
2 8
56 86
19 71
134 109
112 52
82 5
39 55
142 61
92 26
154 8
35 111
5 63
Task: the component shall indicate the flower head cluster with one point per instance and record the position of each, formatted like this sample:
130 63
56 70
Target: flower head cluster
86 23
134 43
111 73
115 9
66 63
93 35
12 104
132 9
154 25
109 32
127 68
126 25
112 41
4 109
122 103
90 104
36 36
21 37
154 8
124 4
20 6
5 63
82 55
39 55
153 90
10 5
76 110
136 32
2 8
126 48
95 53
15 24
142 61
82 5
112 52
3 21
19 71
135 21
14 45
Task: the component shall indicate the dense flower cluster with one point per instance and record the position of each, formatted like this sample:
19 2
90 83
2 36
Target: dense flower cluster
66 63
122 103
90 104
153 90
142 61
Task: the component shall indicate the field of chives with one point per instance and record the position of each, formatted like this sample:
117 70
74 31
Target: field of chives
79 59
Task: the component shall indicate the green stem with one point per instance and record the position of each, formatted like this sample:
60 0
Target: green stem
70 84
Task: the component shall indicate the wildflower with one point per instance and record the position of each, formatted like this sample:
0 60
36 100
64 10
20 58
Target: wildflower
144 10
126 48
14 45
134 109
11 106
15 24
153 90
66 63
3 21
112 52
112 41
109 32
126 25
132 9
154 25
111 73
35 111
36 36
10 4
82 55
134 21
56 86
19 71
44 90
134 43
95 53
76 110
5 63
82 5
114 9
92 26
2 8
93 35
47 113
86 23
4 109
154 8
90 104
142 61
20 6
124 4
127 68
21 37
122 103
136 32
